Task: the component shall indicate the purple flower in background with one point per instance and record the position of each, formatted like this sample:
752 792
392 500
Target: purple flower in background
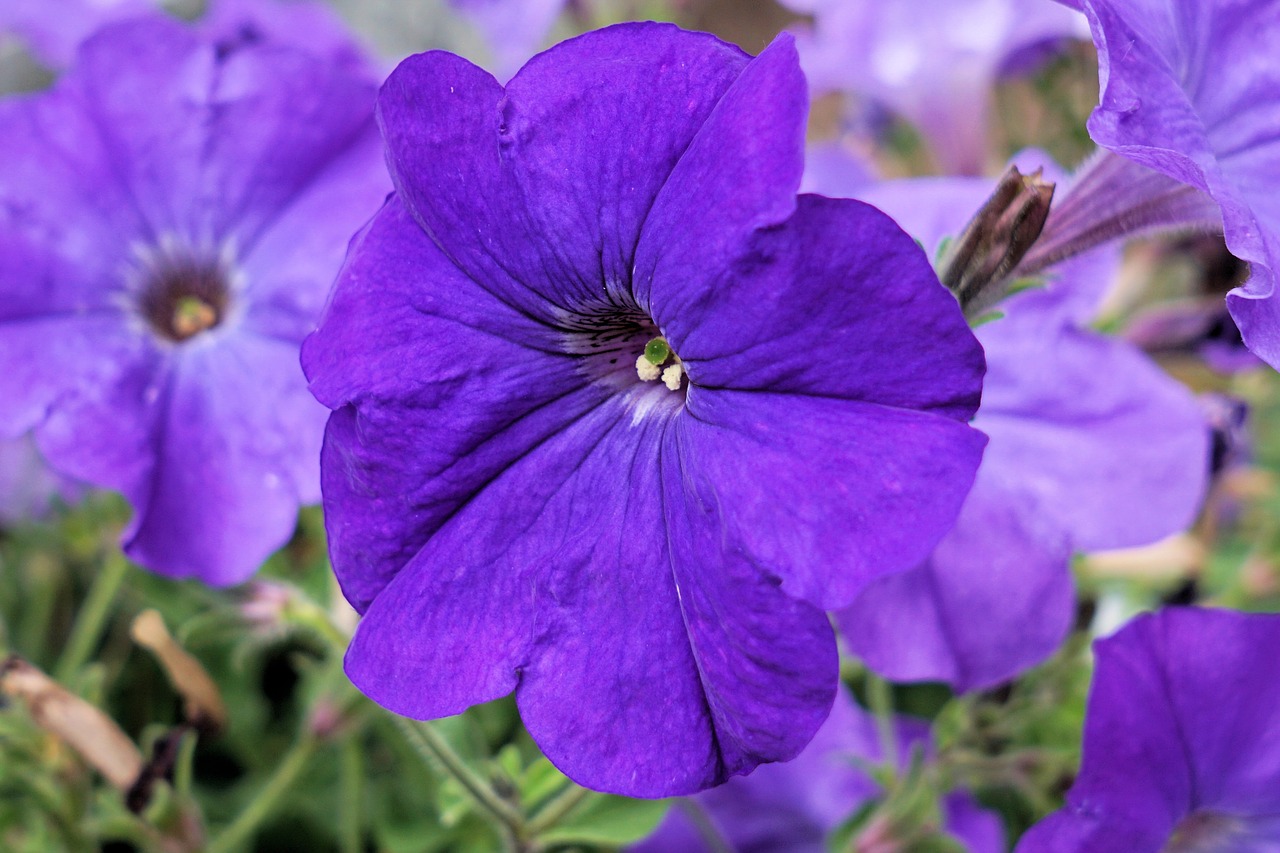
1191 89
617 415
28 488
792 807
171 216
53 29
1092 447
934 62
513 29
1180 746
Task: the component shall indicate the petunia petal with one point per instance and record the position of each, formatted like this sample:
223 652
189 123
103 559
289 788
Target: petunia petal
412 316
563 151
214 446
875 504
1143 434
215 153
706 216
762 322
675 686
994 598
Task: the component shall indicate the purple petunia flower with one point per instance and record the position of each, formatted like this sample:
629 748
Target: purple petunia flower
617 415
171 215
934 62
1191 90
792 807
1092 447
1181 753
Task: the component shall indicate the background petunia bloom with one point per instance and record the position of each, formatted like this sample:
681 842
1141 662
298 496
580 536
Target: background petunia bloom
513 506
1191 89
29 489
171 215
513 29
1092 447
933 62
792 807
1180 746
53 29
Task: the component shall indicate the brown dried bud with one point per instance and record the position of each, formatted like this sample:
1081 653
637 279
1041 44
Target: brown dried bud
82 726
204 706
977 265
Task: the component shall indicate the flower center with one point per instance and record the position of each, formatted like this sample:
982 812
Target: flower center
620 347
659 361
183 293
1204 832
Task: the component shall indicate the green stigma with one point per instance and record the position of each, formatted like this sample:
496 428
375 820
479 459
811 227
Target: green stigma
657 351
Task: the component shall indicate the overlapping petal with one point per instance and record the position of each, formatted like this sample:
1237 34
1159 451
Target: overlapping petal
1192 90
571 148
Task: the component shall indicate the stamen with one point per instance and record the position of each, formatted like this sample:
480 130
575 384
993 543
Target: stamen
646 369
673 375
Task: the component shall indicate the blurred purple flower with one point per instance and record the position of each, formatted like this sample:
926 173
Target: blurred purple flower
514 30
1191 90
1180 746
1092 447
793 806
171 216
509 501
53 29
29 489
934 62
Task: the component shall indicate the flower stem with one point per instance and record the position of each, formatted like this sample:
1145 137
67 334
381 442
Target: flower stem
351 817
880 700
233 837
554 811
441 756
92 618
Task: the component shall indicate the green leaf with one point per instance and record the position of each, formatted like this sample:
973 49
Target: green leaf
608 821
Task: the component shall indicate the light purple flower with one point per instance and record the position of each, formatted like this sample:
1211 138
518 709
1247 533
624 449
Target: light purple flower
1181 753
1092 447
1191 89
514 507
171 216
934 62
792 807
514 30
53 29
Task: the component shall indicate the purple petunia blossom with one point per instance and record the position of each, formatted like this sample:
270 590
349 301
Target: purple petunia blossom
171 216
792 807
1092 447
617 414
934 62
1191 90
1181 753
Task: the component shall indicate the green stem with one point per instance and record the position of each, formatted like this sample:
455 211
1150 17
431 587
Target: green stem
441 756
92 618
233 837
351 817
554 811
880 699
